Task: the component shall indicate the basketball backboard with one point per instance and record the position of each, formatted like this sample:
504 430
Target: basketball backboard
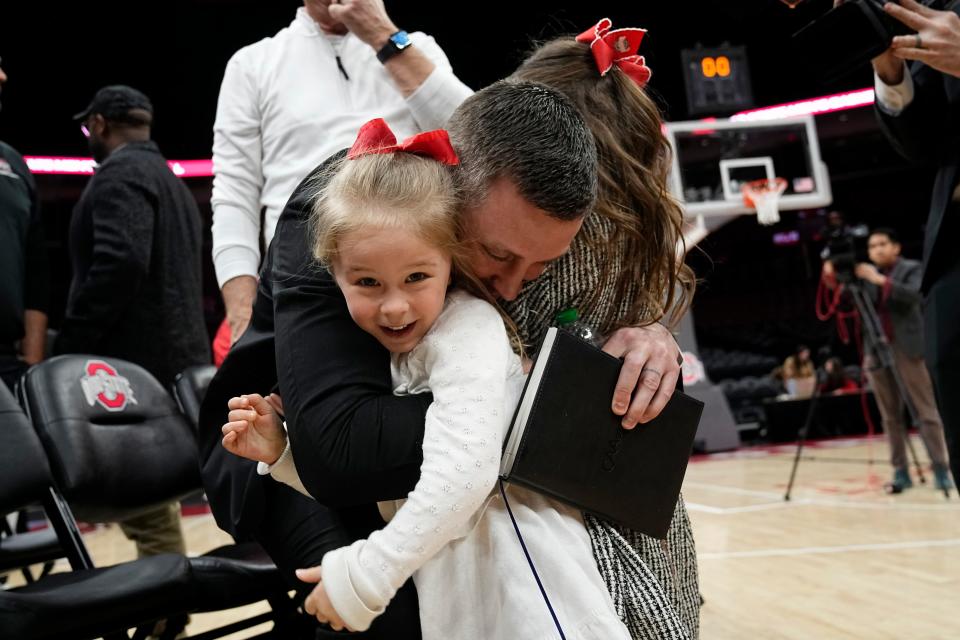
712 160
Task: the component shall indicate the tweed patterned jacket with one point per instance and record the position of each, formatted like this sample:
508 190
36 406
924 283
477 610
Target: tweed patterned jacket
654 584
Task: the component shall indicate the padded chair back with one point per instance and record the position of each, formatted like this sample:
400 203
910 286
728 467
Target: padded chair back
116 440
25 479
24 473
190 387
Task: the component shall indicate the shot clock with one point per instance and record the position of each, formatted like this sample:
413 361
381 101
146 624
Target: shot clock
717 80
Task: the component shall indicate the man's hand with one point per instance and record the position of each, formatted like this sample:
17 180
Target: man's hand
937 41
651 367
868 272
318 603
366 19
238 296
829 275
254 430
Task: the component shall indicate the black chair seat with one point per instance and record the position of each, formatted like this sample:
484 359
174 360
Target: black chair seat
33 547
95 602
235 575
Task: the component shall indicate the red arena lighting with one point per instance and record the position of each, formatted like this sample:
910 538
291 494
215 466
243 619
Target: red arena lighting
85 166
204 168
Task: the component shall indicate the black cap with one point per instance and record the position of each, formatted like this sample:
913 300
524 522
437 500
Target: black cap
115 103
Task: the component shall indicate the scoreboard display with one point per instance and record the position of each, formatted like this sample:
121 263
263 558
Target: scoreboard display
717 80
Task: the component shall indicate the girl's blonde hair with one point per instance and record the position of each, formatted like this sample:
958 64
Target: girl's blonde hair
391 190
395 191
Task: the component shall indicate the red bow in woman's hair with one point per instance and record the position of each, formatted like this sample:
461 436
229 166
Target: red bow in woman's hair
617 47
376 137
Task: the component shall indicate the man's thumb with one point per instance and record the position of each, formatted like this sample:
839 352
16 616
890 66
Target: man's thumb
312 575
337 11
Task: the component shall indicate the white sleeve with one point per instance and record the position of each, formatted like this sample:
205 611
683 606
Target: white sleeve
441 93
284 470
893 99
237 175
467 364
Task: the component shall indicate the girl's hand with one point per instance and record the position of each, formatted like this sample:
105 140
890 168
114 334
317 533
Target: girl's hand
318 603
254 430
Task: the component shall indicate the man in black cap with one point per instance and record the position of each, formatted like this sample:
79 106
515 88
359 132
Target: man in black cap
135 243
24 286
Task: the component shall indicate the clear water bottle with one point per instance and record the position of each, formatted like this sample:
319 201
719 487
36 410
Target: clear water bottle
569 320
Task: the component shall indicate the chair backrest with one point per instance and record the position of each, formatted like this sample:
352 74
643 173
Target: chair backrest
190 387
24 473
25 479
116 440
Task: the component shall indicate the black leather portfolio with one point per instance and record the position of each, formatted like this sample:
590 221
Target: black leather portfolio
566 442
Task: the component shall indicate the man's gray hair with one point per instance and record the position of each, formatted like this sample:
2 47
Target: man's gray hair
533 136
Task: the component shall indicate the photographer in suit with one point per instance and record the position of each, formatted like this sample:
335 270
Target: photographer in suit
893 284
919 110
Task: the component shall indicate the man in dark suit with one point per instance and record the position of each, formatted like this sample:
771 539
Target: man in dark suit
893 283
919 110
362 444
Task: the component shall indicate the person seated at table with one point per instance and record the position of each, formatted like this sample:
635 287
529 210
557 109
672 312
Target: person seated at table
799 375
835 379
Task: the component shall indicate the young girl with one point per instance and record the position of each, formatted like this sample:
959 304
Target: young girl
386 226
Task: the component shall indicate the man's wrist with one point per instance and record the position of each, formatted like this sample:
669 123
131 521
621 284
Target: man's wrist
891 73
396 43
383 37
239 292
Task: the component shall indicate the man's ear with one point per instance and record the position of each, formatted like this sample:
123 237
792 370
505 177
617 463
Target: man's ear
98 125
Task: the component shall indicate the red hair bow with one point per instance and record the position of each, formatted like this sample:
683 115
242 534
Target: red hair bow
618 47
376 137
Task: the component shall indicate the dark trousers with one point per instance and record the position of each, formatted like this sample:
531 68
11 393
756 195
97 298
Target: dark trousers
942 335
296 532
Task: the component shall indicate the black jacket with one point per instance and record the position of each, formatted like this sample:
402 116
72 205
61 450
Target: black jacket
928 132
365 443
903 303
135 245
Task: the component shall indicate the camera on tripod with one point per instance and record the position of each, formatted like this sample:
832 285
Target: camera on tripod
846 247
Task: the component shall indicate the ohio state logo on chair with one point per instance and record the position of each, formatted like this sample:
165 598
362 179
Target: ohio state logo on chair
104 386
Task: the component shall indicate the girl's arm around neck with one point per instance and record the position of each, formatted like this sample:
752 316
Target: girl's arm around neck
467 359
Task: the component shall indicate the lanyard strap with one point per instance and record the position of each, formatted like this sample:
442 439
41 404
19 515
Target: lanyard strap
536 576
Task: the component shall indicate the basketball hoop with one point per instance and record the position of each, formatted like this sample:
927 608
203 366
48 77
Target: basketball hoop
764 196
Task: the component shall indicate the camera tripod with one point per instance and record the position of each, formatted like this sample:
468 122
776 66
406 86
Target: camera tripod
884 354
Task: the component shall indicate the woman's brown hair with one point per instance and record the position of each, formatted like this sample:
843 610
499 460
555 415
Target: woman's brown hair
634 160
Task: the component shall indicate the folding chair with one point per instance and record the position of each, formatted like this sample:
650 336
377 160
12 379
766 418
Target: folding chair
117 445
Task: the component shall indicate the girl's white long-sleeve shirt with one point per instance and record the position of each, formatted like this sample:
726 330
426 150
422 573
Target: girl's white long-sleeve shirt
453 533
285 106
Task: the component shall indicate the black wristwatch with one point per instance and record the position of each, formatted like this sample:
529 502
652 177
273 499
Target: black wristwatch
397 43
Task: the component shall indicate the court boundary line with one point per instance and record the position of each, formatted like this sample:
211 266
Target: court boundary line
817 550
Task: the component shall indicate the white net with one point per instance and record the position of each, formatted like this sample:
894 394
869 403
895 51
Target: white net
764 196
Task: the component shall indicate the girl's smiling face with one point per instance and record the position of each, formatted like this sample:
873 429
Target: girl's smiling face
394 283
